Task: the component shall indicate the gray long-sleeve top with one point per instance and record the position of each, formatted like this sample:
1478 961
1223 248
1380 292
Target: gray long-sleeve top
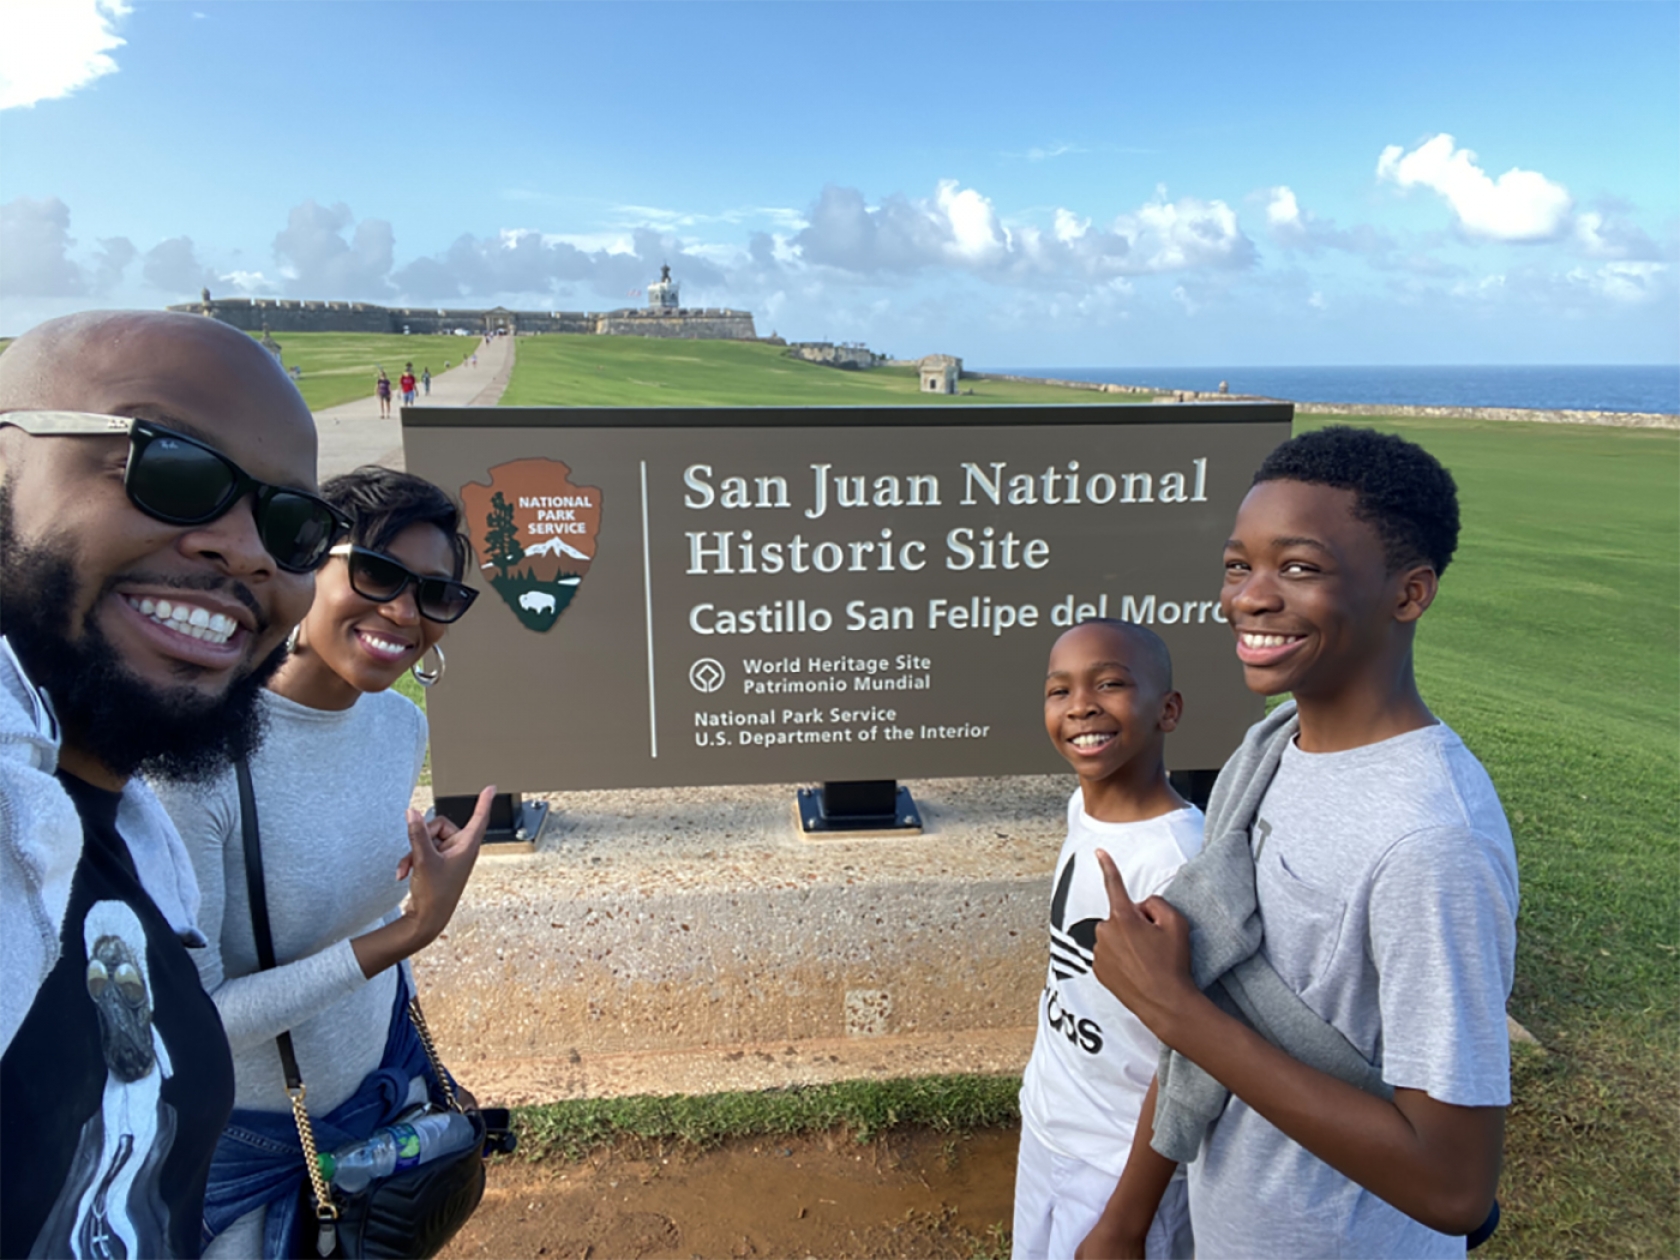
332 788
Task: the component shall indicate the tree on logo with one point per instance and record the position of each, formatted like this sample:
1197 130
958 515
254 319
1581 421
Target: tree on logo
501 535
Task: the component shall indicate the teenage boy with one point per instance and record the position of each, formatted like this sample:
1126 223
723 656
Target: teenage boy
1109 704
1358 855
158 535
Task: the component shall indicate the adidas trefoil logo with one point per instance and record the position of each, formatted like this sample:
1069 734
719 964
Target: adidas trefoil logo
1071 948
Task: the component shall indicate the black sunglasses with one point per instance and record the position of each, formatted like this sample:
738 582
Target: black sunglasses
375 576
182 481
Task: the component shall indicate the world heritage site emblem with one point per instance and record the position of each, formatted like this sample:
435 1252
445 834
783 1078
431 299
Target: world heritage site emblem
534 532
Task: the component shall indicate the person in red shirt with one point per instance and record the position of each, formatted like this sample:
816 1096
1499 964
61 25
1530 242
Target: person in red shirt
407 383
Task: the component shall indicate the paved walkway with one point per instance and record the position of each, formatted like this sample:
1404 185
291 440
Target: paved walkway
354 433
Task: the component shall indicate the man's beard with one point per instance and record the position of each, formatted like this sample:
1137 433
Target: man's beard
122 722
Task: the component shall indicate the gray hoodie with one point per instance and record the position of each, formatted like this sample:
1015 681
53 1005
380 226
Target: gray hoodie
41 846
1215 892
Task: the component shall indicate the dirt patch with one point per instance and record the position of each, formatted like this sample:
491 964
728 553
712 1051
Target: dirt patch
912 1194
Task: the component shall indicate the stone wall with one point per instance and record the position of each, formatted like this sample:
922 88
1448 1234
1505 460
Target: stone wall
1617 419
286 315
696 324
1613 419
830 355
1099 387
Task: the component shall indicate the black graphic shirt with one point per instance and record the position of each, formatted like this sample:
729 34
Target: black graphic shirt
118 1083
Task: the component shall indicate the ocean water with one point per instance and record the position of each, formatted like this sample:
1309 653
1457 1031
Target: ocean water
1642 387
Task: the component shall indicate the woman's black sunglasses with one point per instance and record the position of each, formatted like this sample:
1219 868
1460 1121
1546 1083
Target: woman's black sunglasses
182 481
375 576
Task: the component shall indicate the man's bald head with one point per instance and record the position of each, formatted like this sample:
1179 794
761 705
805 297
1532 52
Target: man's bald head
58 365
81 561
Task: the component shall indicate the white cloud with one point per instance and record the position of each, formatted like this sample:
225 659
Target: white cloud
1283 212
35 241
318 262
1295 228
173 266
1483 290
960 228
976 236
1625 283
1070 227
110 261
1608 234
249 282
616 242
1187 233
537 265
666 219
1051 151
1518 206
53 47
1317 302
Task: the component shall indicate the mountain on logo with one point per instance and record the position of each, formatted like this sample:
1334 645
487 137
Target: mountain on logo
1072 949
555 547
535 533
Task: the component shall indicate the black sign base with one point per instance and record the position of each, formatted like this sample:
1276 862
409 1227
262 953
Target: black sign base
858 809
514 822
1195 786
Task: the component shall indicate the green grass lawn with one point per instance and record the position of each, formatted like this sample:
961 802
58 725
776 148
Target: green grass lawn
1554 649
579 371
341 367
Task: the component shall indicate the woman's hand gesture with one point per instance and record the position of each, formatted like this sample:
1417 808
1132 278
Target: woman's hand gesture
437 866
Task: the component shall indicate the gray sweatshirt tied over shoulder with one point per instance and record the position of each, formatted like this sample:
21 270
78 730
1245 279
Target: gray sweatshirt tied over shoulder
1215 892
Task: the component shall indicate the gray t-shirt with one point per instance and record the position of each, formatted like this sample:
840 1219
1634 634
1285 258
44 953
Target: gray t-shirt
1387 885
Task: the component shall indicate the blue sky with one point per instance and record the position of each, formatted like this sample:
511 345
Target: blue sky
1019 184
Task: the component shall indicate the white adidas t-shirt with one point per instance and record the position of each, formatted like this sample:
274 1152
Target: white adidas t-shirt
1093 1059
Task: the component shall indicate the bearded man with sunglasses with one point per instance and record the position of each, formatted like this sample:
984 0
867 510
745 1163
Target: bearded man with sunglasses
159 531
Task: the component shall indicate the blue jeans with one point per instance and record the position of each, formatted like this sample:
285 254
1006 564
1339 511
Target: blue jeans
259 1161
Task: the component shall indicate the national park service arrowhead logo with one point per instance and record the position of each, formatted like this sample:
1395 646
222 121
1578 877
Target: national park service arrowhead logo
535 533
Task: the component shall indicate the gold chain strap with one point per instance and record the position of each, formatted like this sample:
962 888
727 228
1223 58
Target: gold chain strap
419 1018
326 1211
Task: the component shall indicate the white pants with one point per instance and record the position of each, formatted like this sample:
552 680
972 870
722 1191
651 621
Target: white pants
1058 1201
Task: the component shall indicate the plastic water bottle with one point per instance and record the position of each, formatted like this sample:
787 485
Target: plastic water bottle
397 1148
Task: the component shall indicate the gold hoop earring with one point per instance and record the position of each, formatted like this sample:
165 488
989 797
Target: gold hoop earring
425 677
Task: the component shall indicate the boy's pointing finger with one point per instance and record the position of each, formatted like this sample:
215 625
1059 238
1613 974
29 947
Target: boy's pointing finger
1118 898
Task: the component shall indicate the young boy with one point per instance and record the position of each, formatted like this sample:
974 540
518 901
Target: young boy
1381 889
1108 706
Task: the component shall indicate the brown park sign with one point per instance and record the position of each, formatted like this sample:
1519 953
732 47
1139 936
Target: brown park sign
768 595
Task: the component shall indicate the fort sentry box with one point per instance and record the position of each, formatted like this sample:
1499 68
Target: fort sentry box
755 595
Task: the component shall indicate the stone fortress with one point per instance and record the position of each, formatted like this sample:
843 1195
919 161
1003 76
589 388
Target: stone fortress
663 316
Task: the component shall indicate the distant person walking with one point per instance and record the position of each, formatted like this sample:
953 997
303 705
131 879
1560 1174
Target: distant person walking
426 380
406 380
382 387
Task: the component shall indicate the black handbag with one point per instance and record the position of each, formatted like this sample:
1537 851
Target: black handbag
408 1214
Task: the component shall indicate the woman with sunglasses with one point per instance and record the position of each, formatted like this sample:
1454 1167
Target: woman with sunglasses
331 784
